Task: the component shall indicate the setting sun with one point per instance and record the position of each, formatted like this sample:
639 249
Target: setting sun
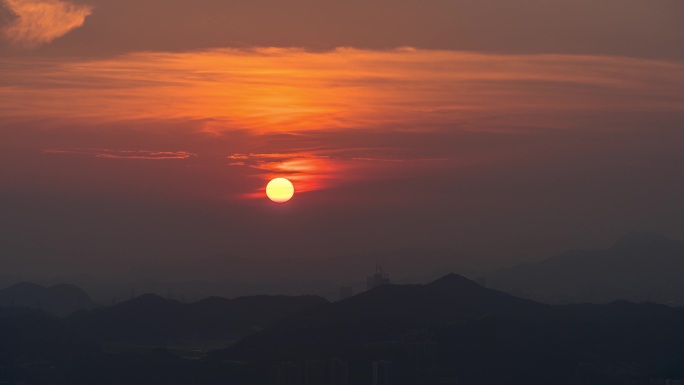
279 190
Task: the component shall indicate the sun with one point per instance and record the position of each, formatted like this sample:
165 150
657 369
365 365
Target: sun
279 190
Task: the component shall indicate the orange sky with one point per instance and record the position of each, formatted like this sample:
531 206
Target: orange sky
395 136
267 90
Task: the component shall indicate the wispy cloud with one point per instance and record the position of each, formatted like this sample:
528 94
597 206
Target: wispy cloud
121 154
311 171
308 171
39 22
290 90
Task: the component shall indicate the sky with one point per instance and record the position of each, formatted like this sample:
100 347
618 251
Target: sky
138 131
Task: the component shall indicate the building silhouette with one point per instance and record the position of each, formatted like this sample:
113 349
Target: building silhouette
665 381
377 279
311 372
382 372
420 356
340 372
315 372
287 373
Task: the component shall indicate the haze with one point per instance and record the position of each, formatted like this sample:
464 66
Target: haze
145 132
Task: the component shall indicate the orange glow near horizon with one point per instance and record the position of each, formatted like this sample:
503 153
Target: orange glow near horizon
309 172
290 96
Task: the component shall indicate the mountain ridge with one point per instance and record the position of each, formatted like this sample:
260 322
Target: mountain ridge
60 300
455 328
640 266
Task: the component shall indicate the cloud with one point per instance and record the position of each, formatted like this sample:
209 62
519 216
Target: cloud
39 22
308 171
121 154
290 90
322 169
638 28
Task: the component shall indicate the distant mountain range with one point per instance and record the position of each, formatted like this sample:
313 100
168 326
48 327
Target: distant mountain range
639 267
233 276
60 300
150 319
382 314
41 350
124 343
455 330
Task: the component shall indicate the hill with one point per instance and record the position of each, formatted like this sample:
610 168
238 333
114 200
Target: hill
386 313
152 320
39 349
638 267
455 329
119 344
59 300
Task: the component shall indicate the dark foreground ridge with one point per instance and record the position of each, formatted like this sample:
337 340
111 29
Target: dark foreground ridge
455 329
155 321
451 331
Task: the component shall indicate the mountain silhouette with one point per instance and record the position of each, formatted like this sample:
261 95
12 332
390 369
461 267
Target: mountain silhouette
59 300
117 344
40 349
233 276
638 267
454 328
446 332
153 320
30 338
641 239
386 313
